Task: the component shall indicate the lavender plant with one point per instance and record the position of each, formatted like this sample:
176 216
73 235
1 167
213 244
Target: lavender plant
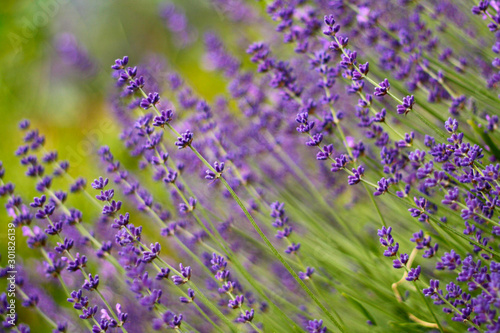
345 180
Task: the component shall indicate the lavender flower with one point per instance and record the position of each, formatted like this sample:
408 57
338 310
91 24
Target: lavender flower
184 277
383 89
184 140
218 167
407 105
413 274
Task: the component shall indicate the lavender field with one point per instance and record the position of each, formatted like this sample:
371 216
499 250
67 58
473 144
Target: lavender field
250 166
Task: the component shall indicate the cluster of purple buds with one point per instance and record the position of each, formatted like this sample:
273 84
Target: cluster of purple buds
184 140
383 88
424 243
218 169
169 320
407 106
185 275
305 126
356 176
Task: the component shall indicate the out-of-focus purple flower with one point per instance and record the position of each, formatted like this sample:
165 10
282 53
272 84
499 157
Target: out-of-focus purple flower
246 317
307 274
237 302
316 326
176 21
188 299
74 54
